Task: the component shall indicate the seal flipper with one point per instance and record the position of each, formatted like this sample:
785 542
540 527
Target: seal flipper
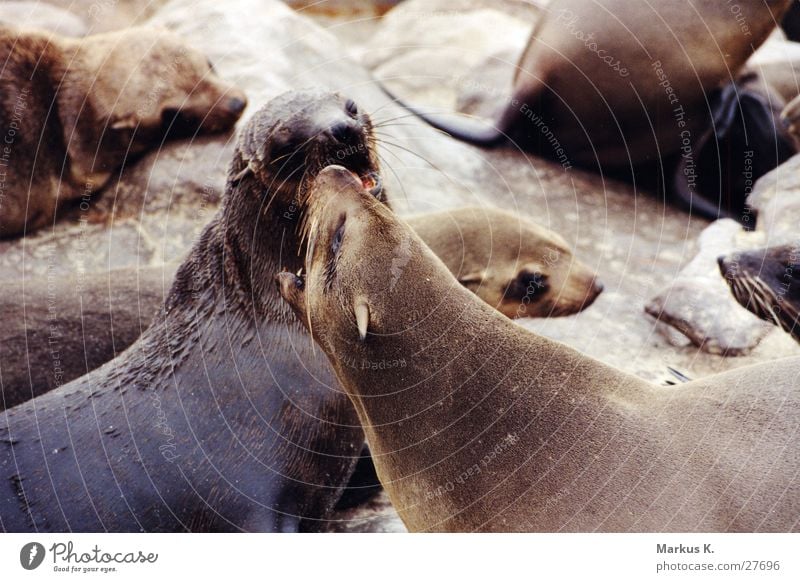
458 125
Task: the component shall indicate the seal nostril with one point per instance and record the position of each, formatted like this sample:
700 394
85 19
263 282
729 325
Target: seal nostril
236 105
344 132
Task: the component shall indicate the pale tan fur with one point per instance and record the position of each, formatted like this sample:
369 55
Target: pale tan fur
486 426
516 266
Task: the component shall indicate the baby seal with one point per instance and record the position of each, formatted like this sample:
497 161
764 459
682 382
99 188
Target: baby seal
767 283
73 111
477 424
221 417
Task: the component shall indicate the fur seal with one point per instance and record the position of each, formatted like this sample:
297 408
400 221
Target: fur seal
221 417
600 86
59 330
73 111
490 427
56 329
767 283
516 266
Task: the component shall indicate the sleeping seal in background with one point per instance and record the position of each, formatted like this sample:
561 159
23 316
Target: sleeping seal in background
486 426
73 111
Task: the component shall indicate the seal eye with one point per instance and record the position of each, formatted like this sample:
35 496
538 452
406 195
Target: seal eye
336 243
530 284
351 107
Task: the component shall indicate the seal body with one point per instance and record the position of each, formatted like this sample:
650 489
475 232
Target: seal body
513 264
221 417
59 330
766 282
73 111
600 86
489 427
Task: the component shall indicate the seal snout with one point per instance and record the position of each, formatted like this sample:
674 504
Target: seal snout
724 265
346 132
236 104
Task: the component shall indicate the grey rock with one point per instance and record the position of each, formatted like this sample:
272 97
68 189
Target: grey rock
45 16
699 304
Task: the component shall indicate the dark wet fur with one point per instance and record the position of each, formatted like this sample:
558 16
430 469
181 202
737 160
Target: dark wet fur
220 417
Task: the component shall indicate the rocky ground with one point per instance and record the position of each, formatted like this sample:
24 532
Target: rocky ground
152 211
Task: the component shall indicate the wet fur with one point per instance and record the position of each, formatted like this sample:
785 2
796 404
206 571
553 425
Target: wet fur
221 417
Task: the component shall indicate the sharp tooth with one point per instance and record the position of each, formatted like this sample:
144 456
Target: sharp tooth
300 272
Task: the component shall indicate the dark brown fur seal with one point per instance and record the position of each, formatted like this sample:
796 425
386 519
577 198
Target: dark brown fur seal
477 424
73 111
767 283
56 329
60 329
600 85
516 266
221 417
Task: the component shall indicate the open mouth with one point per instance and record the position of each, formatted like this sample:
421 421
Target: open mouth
373 184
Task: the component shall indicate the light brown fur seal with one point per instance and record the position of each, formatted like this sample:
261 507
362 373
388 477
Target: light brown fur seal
516 266
58 329
485 426
73 111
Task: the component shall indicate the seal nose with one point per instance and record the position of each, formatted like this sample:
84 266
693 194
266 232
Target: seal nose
345 132
236 105
723 265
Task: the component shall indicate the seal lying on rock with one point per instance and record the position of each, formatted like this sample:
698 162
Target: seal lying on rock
515 265
58 330
600 86
221 417
73 111
477 424
767 283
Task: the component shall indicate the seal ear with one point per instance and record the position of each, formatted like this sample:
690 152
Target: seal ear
362 318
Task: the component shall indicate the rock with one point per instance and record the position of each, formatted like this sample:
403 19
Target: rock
107 15
430 49
699 304
41 15
777 61
776 198
267 49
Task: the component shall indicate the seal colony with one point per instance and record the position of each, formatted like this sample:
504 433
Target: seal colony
515 265
600 86
221 417
73 111
491 427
